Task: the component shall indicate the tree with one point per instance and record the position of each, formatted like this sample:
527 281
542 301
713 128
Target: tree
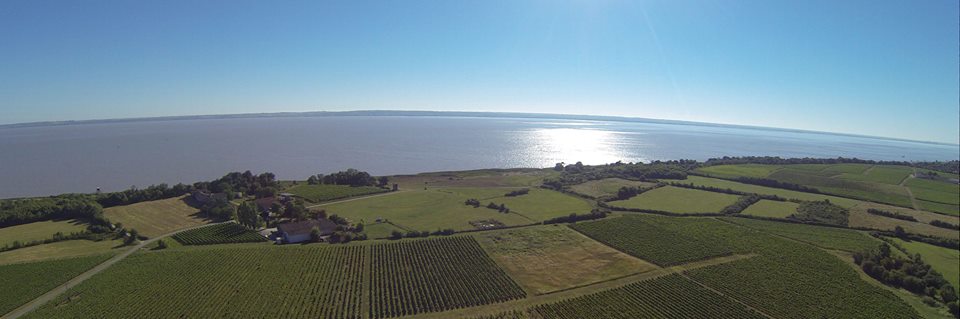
312 180
383 181
315 234
396 234
161 244
132 237
358 228
899 232
948 294
247 215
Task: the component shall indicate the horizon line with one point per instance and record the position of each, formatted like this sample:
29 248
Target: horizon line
476 114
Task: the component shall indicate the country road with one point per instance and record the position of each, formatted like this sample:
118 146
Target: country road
50 295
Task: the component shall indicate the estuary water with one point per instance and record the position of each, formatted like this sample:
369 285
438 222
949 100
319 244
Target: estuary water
47 160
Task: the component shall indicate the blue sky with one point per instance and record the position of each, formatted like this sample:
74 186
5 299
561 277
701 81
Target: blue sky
884 68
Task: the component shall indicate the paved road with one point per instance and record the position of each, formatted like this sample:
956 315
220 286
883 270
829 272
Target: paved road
50 295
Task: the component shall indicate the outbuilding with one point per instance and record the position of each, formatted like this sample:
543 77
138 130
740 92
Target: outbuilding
297 232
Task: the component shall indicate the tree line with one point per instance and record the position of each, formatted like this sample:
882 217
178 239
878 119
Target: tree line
912 274
894 215
350 177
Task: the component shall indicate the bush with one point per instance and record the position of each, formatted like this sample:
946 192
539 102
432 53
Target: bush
518 192
943 224
161 244
891 214
396 235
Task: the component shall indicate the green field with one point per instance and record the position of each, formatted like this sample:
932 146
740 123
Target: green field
763 190
322 193
60 249
678 200
442 208
771 208
155 218
860 218
225 233
936 196
785 279
734 171
260 282
419 276
666 297
647 238
380 230
825 237
606 186
884 174
25 281
946 261
876 183
548 258
39 231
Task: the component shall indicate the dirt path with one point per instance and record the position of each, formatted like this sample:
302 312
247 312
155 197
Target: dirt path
523 304
50 295
869 169
913 200
355 198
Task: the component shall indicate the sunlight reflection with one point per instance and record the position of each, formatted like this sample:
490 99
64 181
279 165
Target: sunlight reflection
573 144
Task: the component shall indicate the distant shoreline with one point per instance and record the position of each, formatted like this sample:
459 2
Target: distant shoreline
517 115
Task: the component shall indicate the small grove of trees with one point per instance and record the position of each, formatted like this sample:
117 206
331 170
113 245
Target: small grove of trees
472 202
500 208
943 224
742 203
262 185
351 177
519 192
574 217
219 209
912 274
822 212
248 216
579 173
415 234
891 214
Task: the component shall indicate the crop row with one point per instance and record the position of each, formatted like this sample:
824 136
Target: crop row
435 275
225 233
666 297
25 281
645 239
237 283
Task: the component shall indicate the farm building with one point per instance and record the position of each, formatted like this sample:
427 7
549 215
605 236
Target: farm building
297 232
204 197
265 204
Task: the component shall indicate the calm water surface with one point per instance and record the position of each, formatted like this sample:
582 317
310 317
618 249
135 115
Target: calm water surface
79 158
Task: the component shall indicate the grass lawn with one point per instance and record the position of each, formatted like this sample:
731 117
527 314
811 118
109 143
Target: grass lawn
429 210
39 230
380 230
155 218
860 218
548 258
771 208
944 260
785 193
679 200
733 171
606 186
322 193
57 250
542 204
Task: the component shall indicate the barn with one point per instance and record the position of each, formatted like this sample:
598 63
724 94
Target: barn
297 232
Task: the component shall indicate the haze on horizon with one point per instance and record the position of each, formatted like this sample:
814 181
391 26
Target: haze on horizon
888 68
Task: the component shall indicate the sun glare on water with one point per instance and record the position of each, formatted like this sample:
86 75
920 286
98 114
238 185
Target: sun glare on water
590 146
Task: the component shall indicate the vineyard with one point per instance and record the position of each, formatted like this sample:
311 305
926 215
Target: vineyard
802 282
257 282
641 236
323 193
23 282
431 275
666 297
826 237
225 233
